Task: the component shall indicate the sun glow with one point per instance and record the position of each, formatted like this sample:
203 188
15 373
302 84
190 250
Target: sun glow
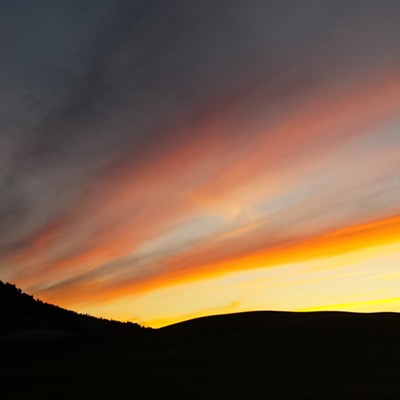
354 269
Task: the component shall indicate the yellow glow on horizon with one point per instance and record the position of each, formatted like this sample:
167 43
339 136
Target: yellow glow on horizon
354 268
353 281
391 304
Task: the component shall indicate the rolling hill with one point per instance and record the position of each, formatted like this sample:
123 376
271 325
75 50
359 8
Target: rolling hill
254 355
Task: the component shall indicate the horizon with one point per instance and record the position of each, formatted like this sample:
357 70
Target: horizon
208 316
163 161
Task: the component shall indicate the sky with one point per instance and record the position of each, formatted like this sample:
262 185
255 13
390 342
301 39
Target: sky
164 160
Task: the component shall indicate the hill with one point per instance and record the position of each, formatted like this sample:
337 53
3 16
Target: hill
254 355
22 316
332 325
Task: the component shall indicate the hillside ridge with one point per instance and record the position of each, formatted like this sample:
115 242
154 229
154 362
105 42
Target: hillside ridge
22 312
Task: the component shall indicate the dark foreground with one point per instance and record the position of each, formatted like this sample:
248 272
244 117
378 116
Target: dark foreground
260 355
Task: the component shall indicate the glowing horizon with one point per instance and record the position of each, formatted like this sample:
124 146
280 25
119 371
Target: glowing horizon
339 251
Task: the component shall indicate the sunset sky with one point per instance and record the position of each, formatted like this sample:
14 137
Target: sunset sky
163 160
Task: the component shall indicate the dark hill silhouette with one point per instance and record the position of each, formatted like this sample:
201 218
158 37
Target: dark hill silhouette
253 355
270 334
338 325
22 316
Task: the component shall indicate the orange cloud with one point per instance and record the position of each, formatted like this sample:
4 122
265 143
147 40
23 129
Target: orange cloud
328 121
44 239
185 269
339 241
